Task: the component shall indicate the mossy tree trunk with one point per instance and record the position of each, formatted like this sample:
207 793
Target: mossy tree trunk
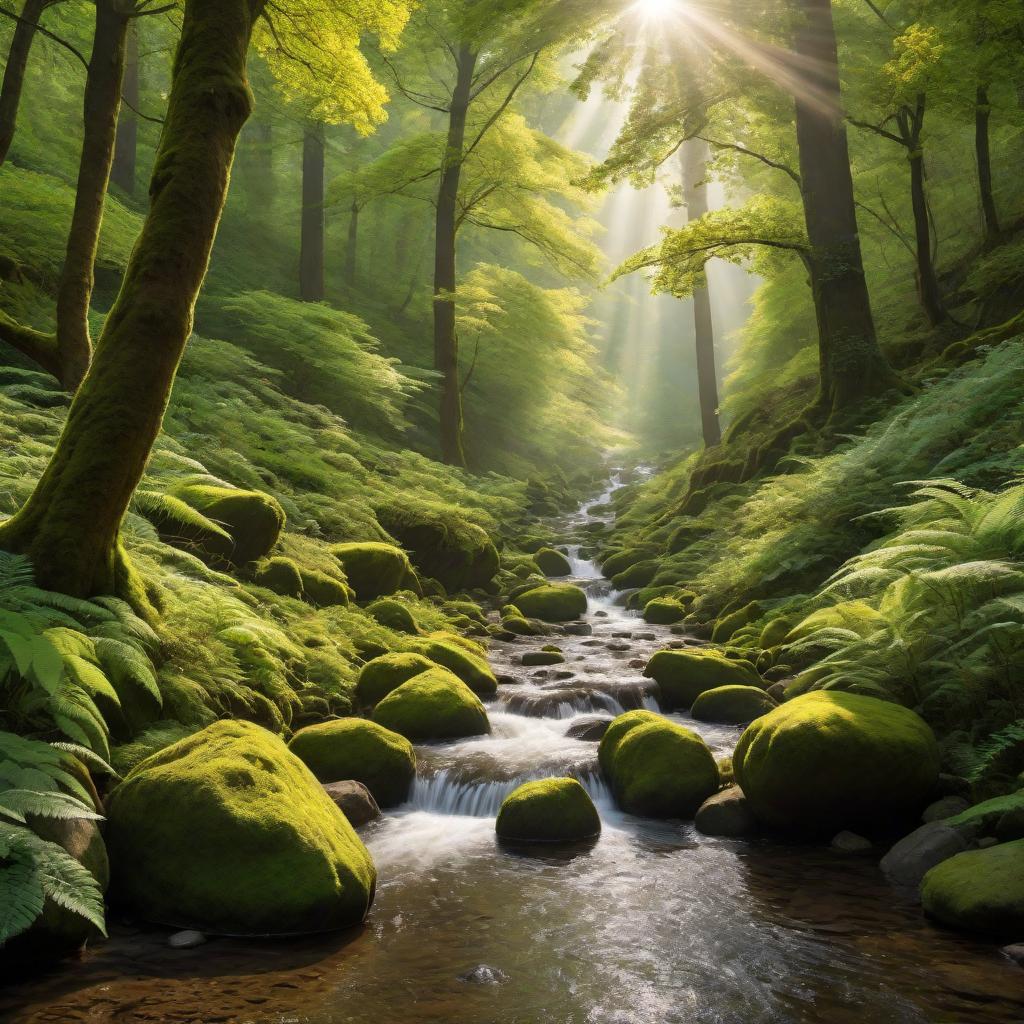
70 525
982 150
352 244
446 340
126 145
695 157
852 366
23 37
311 248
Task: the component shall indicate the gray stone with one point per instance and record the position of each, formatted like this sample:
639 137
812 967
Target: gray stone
354 800
944 808
1015 953
580 628
778 691
483 974
638 663
850 842
915 855
591 729
187 939
726 814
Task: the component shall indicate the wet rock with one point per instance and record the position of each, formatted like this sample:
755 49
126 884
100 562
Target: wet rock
483 974
600 614
726 814
592 643
945 808
354 800
580 628
645 636
916 854
778 691
850 842
1015 952
677 630
507 680
187 939
542 674
564 673
637 663
987 842
591 730
542 658
619 646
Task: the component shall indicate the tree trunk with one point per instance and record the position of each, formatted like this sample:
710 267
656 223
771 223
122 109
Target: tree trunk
102 99
126 147
352 244
69 526
311 256
695 158
927 283
446 341
982 112
14 73
852 366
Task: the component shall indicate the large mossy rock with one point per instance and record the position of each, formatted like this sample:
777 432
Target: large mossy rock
443 546
682 676
552 563
658 769
553 602
469 666
396 615
373 569
253 521
229 832
434 705
353 748
379 677
619 561
732 705
664 611
639 575
980 891
827 760
280 575
548 811
322 590
616 732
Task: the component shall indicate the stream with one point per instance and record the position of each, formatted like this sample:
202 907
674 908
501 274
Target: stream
651 924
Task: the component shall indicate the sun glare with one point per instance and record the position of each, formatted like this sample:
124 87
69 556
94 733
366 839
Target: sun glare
656 10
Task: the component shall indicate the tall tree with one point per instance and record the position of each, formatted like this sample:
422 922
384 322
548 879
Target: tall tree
122 173
71 522
311 244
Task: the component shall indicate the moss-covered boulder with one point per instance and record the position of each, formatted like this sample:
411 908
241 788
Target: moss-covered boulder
619 561
983 819
617 731
535 658
518 626
377 678
396 615
732 705
553 602
979 890
322 590
353 748
552 563
434 705
829 760
229 832
639 575
281 575
664 611
253 521
469 666
548 811
661 770
775 632
373 569
682 676
730 624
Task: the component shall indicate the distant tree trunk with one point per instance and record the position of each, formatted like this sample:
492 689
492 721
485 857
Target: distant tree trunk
260 167
695 159
982 112
69 526
446 341
122 173
352 244
852 366
14 72
311 258
100 107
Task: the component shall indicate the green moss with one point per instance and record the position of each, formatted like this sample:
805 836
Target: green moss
519 626
731 705
229 832
323 590
465 662
379 677
829 760
664 611
979 890
661 770
253 519
682 676
373 569
775 632
639 575
548 811
727 626
510 611
281 575
622 560
434 705
552 563
985 816
553 602
617 731
393 614
353 748
468 609
534 658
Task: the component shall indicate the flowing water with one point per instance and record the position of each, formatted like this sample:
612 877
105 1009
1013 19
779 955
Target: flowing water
651 924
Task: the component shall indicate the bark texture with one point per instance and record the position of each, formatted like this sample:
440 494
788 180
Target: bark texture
311 250
123 172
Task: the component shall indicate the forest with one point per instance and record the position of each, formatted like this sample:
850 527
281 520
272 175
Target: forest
512 511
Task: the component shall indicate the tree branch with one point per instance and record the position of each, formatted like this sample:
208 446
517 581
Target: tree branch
785 168
503 106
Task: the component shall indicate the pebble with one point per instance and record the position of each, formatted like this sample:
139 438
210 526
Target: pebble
638 663
645 636
601 614
618 646
187 939
483 974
